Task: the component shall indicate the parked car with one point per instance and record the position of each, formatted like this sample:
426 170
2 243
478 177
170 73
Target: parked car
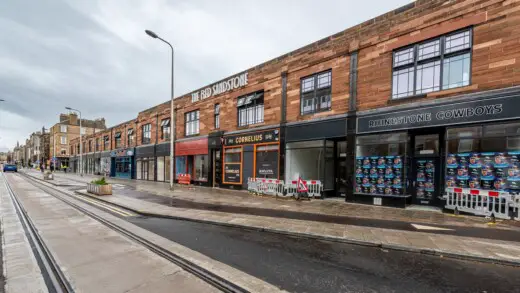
10 167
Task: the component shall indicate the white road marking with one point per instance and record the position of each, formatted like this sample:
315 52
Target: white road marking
424 227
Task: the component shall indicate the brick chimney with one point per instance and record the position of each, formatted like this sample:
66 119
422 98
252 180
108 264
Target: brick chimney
73 119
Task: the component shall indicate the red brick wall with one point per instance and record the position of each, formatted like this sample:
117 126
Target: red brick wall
151 116
496 33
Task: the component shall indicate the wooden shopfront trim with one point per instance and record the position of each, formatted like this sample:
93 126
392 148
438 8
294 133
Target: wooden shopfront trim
241 162
277 150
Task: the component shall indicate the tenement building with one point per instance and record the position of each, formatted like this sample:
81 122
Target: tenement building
391 111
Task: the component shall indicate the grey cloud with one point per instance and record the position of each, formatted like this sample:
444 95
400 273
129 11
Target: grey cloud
94 55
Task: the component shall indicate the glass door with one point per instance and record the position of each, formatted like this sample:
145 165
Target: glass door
425 185
341 168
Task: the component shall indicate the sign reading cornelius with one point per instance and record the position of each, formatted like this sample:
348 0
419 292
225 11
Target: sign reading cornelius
252 138
466 112
219 88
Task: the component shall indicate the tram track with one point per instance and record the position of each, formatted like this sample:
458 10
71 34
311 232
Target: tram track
214 280
53 275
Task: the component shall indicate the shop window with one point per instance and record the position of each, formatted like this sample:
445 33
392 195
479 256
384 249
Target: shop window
117 137
165 129
485 157
201 167
266 161
107 142
233 165
147 133
216 118
428 67
191 123
305 159
250 109
160 168
315 93
130 136
381 164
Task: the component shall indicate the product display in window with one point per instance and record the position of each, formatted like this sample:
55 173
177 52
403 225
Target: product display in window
425 188
379 175
487 170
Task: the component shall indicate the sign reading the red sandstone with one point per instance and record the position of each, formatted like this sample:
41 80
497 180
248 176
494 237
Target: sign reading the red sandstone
220 88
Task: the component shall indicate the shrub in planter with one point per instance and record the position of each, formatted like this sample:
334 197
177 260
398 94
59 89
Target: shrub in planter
99 187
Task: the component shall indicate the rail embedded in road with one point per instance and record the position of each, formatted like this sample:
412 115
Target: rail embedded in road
200 272
54 277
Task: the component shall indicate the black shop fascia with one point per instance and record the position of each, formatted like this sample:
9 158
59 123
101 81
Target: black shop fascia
411 155
250 155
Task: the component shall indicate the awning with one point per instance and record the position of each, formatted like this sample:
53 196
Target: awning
118 135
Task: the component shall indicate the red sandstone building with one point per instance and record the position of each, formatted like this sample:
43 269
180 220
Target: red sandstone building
396 108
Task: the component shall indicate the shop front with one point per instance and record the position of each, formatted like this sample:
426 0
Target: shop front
145 162
317 150
191 157
250 155
410 156
122 163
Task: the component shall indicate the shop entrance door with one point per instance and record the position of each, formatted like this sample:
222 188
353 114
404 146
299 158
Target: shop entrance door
425 168
425 187
144 170
341 168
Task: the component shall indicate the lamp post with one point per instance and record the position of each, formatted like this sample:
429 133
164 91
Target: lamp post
80 143
172 111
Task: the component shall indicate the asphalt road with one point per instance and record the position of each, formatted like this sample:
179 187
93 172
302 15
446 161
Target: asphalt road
301 265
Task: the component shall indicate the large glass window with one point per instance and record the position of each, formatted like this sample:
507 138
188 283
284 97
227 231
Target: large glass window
191 122
381 164
251 109
201 167
147 133
485 157
433 65
266 164
310 160
315 93
160 168
233 165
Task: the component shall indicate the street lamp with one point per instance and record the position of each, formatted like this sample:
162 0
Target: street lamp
172 111
80 143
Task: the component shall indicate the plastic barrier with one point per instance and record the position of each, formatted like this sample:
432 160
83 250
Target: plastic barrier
479 202
252 187
315 188
270 186
184 179
516 205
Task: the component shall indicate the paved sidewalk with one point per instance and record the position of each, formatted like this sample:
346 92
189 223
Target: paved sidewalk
224 197
505 252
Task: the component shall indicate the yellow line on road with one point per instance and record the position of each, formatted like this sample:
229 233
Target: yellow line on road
106 206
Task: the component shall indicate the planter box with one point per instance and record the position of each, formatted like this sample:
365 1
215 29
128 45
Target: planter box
99 189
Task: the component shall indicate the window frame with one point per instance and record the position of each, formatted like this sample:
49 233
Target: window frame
188 121
130 137
165 125
106 142
117 137
216 116
146 133
252 106
314 91
440 57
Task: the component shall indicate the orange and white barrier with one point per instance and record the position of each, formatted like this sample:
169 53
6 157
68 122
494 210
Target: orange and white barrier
314 188
488 203
184 179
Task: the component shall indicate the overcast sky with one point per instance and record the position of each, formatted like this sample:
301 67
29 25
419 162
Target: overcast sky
93 54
